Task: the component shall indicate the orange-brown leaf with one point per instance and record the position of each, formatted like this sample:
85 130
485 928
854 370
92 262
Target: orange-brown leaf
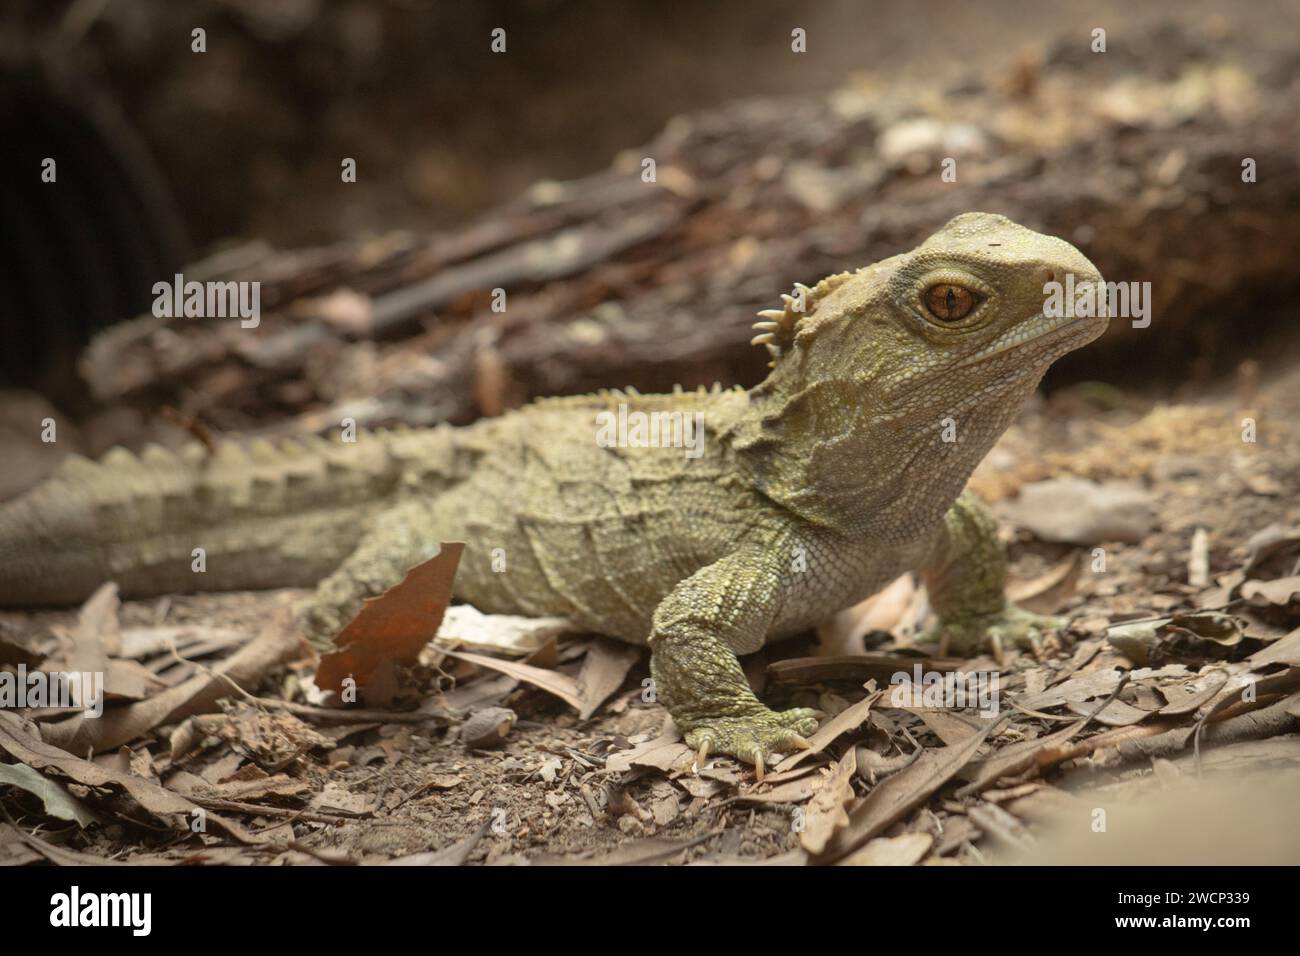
394 626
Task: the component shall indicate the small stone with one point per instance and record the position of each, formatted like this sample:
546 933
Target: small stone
488 728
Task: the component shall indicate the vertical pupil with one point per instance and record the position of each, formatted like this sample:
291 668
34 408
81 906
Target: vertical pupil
951 301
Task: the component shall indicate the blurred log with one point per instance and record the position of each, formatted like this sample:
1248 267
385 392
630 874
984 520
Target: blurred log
613 281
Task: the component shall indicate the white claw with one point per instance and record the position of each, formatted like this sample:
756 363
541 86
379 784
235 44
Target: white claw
995 646
701 757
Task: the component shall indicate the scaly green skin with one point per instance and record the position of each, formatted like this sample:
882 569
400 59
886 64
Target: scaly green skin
843 469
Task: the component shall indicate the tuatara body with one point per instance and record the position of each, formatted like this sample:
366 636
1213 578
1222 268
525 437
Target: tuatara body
788 502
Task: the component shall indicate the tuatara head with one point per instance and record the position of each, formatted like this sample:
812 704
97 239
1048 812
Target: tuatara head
973 295
894 381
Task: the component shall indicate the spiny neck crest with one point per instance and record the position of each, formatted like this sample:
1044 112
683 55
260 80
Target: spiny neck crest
778 327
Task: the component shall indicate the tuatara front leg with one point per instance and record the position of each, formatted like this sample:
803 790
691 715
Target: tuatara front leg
966 577
697 631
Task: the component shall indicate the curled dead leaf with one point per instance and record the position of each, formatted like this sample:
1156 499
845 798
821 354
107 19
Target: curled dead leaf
395 626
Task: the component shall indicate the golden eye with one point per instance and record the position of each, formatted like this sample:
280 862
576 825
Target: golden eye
948 302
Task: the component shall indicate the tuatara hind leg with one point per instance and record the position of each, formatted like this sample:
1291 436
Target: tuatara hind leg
966 577
696 632
398 540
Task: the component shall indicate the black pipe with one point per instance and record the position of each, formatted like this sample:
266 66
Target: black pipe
84 251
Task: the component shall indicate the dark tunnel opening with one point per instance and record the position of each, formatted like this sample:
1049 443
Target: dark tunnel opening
81 251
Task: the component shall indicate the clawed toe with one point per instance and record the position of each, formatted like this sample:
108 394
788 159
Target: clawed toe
995 647
996 633
755 739
702 755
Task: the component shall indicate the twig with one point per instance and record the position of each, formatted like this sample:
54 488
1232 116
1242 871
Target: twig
322 714
218 803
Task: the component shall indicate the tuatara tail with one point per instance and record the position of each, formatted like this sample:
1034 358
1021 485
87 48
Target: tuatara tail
256 516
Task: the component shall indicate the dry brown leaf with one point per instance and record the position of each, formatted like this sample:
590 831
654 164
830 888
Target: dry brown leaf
1013 793
894 798
1115 714
273 741
905 850
702 788
858 667
1280 591
1185 636
666 753
1019 757
849 719
603 672
485 692
274 785
951 728
395 626
58 855
788 791
553 682
95 632
26 748
337 798
1284 651
872 766
127 680
190 640
1187 696
275 646
795 773
665 804
826 811
1086 686
1234 689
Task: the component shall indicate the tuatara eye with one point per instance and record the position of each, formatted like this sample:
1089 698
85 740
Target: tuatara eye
948 302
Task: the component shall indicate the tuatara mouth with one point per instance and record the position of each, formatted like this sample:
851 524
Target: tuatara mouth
1042 331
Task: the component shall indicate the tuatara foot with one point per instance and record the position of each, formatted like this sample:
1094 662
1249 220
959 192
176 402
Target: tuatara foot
967 634
753 738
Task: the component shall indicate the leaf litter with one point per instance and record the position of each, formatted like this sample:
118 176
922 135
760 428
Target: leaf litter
1181 668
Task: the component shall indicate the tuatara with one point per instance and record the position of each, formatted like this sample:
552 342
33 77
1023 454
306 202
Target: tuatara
788 502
